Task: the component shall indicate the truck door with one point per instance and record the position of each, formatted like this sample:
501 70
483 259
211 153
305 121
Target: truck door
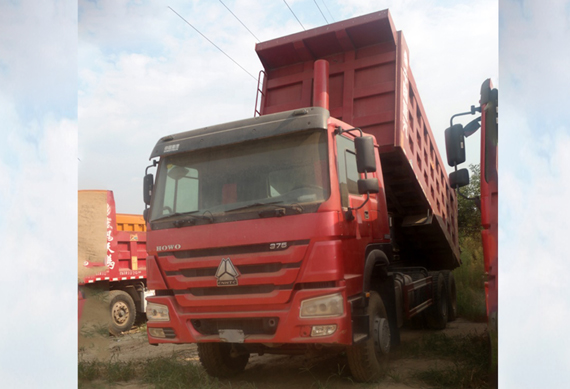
348 178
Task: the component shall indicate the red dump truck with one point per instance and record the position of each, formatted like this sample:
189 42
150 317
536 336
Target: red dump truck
112 256
326 221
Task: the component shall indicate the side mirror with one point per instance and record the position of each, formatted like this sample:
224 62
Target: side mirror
365 159
455 145
148 183
368 185
459 178
146 214
472 127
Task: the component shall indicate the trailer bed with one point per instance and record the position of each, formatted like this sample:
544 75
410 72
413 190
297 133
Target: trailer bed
371 86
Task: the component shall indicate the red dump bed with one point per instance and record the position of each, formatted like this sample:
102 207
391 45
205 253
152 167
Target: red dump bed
371 86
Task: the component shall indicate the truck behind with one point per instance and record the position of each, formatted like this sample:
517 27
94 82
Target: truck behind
112 257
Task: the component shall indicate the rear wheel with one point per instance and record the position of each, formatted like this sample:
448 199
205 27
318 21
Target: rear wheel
222 359
436 315
418 321
123 312
451 295
368 360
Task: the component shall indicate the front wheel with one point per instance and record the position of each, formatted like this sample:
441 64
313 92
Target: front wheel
222 359
369 360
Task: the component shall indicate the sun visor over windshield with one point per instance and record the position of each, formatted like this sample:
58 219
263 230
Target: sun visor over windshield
243 130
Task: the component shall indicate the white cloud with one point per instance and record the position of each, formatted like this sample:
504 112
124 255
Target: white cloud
37 56
533 264
534 54
38 194
534 192
39 240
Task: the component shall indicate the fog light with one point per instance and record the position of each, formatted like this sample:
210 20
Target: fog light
156 332
323 330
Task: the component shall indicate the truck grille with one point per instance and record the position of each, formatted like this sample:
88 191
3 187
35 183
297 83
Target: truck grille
233 290
265 274
243 269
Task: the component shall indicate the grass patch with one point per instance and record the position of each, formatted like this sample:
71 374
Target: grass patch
175 373
109 372
160 373
469 354
460 377
470 280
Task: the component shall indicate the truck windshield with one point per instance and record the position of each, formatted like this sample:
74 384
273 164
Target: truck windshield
289 171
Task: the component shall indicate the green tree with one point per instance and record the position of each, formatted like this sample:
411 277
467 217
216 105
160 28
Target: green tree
468 212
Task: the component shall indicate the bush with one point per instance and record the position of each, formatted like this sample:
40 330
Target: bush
470 280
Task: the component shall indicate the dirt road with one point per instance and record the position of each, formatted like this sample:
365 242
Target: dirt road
279 371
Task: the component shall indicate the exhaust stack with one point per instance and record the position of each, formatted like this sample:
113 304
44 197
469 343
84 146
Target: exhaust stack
321 84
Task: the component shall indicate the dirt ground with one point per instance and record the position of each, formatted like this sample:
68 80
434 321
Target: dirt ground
283 371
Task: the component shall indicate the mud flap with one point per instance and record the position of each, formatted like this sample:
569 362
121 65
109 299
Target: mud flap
360 328
387 292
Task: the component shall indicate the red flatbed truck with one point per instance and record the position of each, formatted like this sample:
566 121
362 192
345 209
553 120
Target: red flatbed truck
112 256
295 230
488 202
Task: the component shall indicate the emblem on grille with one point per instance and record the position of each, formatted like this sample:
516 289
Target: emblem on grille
227 274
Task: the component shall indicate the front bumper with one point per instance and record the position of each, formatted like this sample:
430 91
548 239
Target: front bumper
273 324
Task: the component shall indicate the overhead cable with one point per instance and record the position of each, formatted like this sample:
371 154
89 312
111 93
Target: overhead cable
328 10
239 20
294 14
321 11
223 52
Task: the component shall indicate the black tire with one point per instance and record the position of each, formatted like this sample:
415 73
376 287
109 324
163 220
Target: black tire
123 312
451 295
218 361
436 314
368 360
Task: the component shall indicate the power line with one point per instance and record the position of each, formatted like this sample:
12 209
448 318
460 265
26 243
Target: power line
239 20
321 11
223 52
328 10
294 14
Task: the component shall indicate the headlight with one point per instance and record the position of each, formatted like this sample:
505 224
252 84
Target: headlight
157 312
326 306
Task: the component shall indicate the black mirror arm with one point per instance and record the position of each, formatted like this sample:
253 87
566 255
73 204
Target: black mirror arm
476 199
472 112
349 215
154 163
339 131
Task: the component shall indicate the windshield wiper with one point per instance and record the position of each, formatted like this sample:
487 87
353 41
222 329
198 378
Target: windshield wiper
295 207
189 218
258 204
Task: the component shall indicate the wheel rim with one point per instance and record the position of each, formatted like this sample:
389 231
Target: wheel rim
120 313
381 336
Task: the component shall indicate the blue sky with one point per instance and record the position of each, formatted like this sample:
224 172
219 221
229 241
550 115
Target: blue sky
87 88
